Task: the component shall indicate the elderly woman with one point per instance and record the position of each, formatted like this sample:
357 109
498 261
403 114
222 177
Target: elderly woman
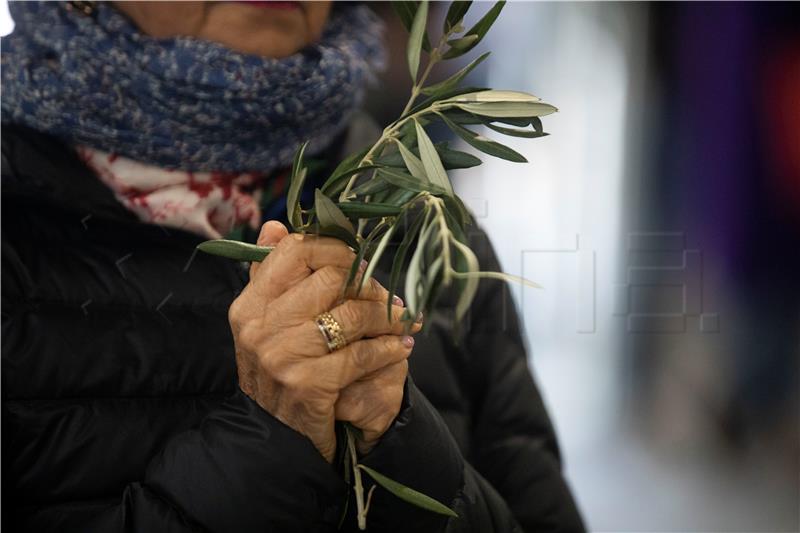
148 388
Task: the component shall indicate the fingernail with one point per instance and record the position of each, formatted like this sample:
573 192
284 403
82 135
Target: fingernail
418 318
396 300
362 266
408 341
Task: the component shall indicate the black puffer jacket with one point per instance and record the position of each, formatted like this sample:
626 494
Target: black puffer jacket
121 410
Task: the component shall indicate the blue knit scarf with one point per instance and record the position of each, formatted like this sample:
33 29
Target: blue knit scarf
182 103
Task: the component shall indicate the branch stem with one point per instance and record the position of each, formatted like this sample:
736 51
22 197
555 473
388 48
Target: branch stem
358 486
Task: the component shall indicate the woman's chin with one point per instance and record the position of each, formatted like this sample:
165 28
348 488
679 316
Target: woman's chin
249 28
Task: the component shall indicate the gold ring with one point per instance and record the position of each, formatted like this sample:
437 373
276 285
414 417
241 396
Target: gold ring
331 330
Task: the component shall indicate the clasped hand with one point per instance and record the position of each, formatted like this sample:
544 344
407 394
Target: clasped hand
282 358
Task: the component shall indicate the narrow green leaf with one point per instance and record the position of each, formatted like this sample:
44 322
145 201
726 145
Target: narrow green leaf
329 214
412 162
453 81
368 209
415 38
432 284
240 251
408 494
297 179
459 116
349 172
483 144
409 182
430 160
405 11
337 232
372 186
413 273
513 132
479 29
440 97
451 159
400 257
348 163
376 257
462 43
455 14
394 160
355 209
471 284
494 95
408 134
509 109
455 159
353 272
399 197
456 208
458 221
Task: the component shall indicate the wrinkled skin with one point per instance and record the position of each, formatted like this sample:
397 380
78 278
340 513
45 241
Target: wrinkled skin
282 358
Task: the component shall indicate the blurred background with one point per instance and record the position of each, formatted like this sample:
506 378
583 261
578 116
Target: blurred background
662 217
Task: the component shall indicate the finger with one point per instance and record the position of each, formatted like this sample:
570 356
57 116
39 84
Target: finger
373 402
271 234
323 290
358 320
370 390
364 357
294 258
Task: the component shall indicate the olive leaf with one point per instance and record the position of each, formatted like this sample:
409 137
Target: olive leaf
337 181
413 274
493 95
329 214
471 285
415 38
408 494
509 109
479 30
483 144
452 82
451 159
400 257
455 14
463 43
431 162
515 132
406 11
349 163
337 232
298 177
413 163
409 182
240 251
382 244
368 209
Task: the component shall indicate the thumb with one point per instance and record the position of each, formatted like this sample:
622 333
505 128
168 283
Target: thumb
271 233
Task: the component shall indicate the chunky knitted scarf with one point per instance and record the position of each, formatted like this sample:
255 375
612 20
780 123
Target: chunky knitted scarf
182 103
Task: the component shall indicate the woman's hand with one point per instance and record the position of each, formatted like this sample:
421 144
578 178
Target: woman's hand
282 358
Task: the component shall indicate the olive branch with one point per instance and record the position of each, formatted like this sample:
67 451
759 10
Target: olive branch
399 185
